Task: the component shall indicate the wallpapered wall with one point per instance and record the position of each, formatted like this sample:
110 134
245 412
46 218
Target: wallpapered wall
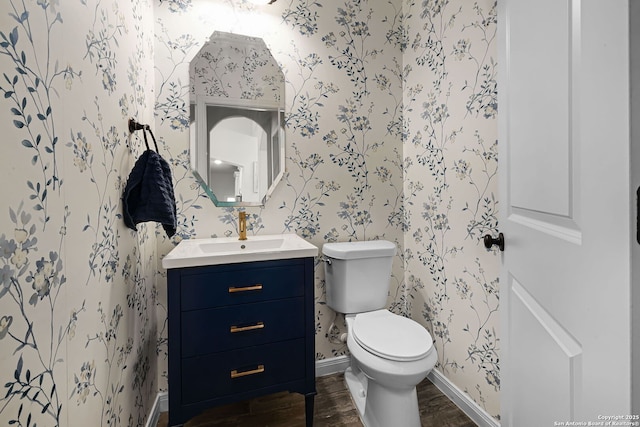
343 126
391 127
450 161
77 297
391 134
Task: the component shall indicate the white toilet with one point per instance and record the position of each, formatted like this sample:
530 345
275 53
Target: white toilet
390 354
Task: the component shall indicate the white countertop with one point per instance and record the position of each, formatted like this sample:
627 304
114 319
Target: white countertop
230 250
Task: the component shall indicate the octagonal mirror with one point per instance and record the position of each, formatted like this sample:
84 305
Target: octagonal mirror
237 120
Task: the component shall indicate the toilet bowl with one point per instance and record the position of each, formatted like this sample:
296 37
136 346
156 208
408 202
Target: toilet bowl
386 368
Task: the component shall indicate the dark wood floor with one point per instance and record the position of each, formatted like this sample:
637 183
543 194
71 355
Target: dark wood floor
333 407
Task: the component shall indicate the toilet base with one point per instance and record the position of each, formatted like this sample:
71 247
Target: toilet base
357 386
379 406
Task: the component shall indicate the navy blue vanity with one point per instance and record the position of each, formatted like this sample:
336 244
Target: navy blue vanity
240 330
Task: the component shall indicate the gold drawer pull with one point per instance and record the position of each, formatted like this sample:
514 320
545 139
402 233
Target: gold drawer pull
233 289
234 329
258 370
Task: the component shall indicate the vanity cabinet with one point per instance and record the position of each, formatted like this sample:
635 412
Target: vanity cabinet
238 331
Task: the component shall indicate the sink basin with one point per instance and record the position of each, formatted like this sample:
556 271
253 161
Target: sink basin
242 246
229 250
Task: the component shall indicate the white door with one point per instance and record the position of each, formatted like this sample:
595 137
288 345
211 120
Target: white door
565 210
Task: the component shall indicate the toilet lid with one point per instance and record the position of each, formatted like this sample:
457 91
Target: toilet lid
391 336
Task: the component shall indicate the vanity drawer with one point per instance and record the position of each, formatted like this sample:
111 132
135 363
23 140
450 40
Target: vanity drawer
240 286
236 371
226 328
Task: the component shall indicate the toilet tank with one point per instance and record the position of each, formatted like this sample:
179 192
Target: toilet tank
357 275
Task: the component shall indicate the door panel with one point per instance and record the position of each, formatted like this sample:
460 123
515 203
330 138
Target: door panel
540 88
546 357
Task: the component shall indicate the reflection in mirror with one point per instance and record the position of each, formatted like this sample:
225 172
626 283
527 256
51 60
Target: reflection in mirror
237 120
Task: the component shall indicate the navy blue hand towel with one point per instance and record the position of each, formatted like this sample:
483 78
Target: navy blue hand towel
148 195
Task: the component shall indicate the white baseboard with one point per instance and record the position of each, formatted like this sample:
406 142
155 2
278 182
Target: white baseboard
462 400
161 404
332 365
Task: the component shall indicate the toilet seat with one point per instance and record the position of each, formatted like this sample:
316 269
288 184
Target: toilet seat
390 336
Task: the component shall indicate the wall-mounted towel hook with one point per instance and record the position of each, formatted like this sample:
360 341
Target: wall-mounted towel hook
134 126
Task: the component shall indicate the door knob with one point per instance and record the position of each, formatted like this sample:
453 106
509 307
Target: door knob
490 241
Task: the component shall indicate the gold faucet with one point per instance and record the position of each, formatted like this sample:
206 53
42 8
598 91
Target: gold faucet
242 225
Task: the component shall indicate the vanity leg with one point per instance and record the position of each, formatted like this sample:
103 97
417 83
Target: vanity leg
308 409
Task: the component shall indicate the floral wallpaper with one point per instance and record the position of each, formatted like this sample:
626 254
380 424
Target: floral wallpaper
343 177
450 184
77 289
391 134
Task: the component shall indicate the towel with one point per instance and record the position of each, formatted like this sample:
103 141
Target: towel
148 195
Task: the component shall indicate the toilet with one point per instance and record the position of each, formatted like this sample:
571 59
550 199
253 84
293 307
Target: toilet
390 354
